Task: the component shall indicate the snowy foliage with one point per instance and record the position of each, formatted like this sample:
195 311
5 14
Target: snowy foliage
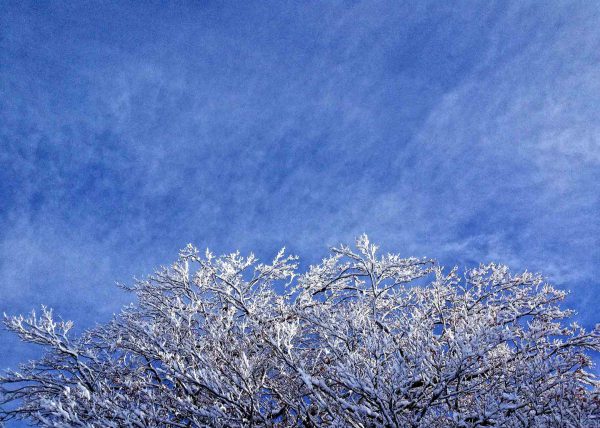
360 340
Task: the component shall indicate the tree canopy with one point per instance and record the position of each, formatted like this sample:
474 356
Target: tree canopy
358 340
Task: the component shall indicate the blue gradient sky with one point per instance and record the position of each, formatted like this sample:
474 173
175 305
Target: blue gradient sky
466 133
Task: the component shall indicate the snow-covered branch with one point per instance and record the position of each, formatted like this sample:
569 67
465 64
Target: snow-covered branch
360 340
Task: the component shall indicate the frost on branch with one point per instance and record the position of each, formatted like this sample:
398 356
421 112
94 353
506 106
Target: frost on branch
360 340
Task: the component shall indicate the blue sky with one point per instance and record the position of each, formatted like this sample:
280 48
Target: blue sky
466 132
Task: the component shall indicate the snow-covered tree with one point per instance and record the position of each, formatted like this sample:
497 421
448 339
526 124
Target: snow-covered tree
359 340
